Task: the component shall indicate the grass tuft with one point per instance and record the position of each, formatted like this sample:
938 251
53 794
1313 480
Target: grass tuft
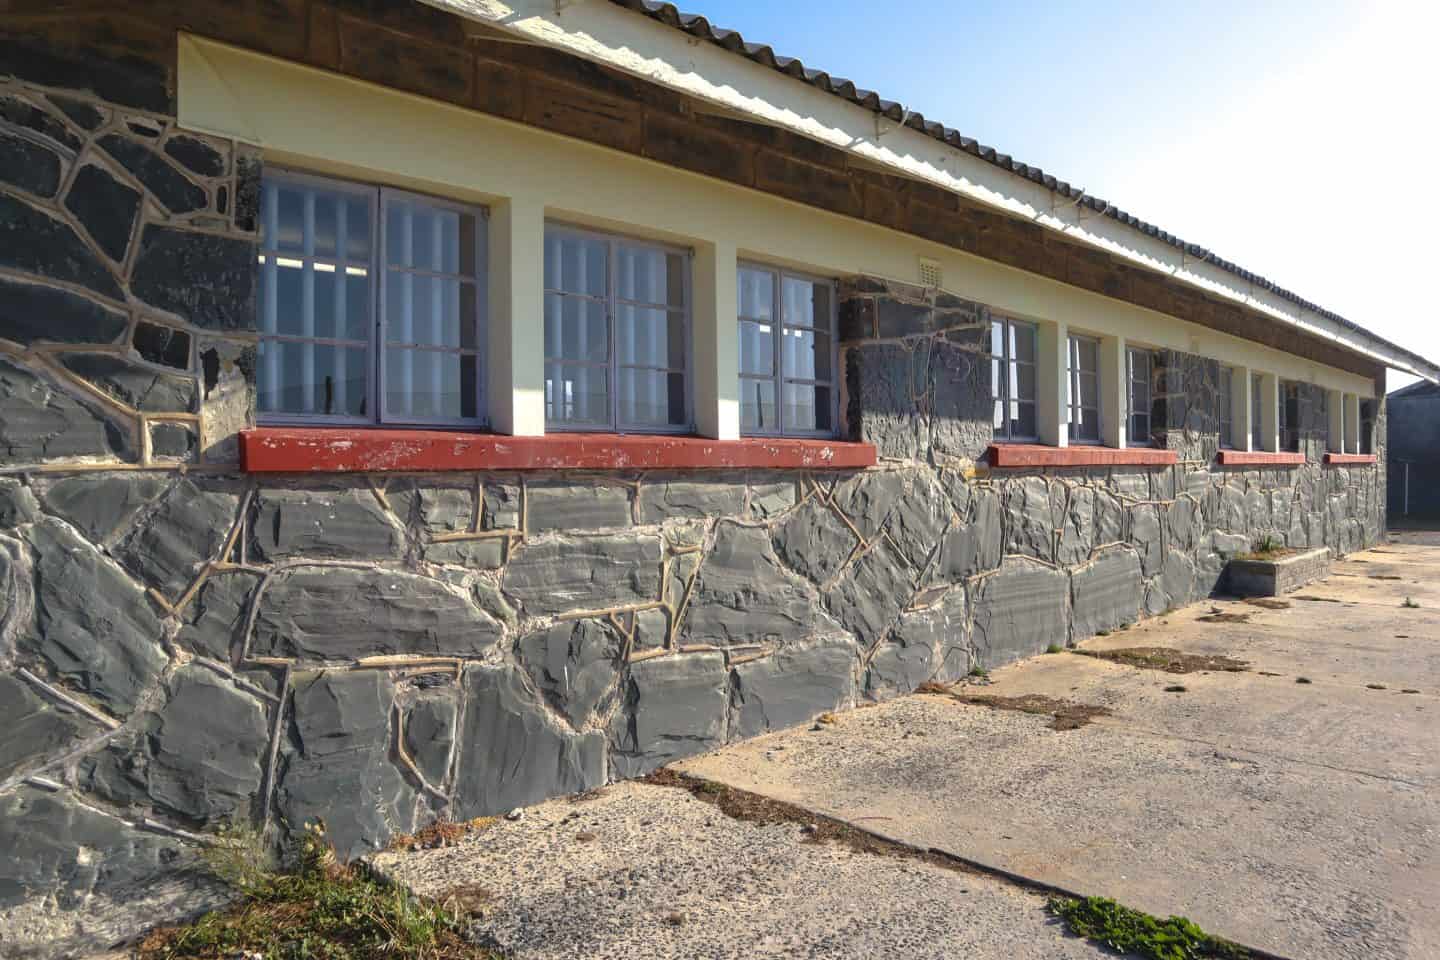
1054 648
320 910
1410 604
1131 932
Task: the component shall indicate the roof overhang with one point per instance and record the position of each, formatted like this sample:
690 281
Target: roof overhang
609 34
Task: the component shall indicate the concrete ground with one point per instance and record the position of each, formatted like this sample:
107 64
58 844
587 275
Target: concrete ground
1299 818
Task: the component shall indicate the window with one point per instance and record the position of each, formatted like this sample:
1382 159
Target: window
371 305
1224 411
1323 414
1139 372
1367 426
1289 416
617 333
1083 389
1012 377
795 369
1258 400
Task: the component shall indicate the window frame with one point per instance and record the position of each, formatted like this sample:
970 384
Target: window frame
1366 425
1131 440
612 300
1287 433
1002 392
1073 394
777 376
376 401
1225 407
1257 411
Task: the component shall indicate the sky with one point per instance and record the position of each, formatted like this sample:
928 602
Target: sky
1297 139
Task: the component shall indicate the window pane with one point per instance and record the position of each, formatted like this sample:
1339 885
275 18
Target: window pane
1089 391
997 338
1022 423
649 275
805 303
310 378
430 384
756 293
342 304
651 398
1086 354
1140 428
649 337
757 405
575 329
807 407
577 394
1022 342
575 264
757 348
1085 425
434 311
806 354
289 219
1023 376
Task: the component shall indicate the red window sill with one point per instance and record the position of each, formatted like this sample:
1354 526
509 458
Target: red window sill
1259 458
1340 459
1036 455
331 450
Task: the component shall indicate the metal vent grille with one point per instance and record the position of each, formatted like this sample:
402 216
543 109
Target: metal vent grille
930 272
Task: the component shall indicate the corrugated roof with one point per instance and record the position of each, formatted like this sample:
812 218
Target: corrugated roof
698 26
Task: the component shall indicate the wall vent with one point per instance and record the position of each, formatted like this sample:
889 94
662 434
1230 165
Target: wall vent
930 272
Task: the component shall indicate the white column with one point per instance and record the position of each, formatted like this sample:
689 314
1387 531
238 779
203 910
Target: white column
1352 423
1335 436
717 342
517 331
1270 412
1051 374
1240 410
1114 410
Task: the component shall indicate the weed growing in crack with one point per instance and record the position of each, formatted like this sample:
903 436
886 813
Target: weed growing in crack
1128 931
1410 604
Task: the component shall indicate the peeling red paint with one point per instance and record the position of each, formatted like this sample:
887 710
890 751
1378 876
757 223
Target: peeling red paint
1002 455
1356 459
1258 458
317 450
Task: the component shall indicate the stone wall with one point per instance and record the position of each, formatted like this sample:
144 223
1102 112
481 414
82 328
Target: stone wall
183 646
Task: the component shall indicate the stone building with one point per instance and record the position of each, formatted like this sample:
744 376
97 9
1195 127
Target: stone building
1413 456
419 410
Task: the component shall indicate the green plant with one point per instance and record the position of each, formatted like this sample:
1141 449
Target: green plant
1410 604
1131 932
979 671
1054 648
319 910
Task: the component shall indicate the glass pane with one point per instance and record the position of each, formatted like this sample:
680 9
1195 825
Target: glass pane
757 406
807 407
575 329
577 394
342 304
757 348
1002 427
1023 420
290 318
806 354
430 385
289 234
434 311
427 237
805 303
338 222
651 398
649 337
756 293
650 276
997 378
1089 390
575 264
1085 425
1084 354
997 338
1140 428
310 378
1022 342
1023 376
1225 440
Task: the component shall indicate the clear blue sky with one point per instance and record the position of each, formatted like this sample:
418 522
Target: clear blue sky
1290 137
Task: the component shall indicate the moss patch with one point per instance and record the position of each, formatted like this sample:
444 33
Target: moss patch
1133 933
1169 660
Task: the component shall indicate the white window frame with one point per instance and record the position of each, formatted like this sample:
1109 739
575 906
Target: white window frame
1073 394
1133 437
1225 406
777 375
376 396
1001 389
612 365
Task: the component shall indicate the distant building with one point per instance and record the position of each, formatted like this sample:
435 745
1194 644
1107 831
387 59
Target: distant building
1414 454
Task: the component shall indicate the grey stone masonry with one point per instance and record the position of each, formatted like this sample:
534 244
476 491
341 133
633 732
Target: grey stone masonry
1249 577
184 646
